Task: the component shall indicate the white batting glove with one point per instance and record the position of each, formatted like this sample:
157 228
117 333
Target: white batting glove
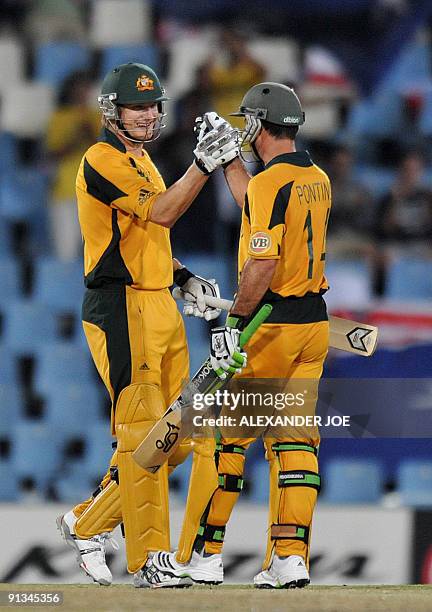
211 121
226 355
194 291
218 142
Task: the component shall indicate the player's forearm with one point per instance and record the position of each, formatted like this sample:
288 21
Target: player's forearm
172 203
176 264
238 180
255 279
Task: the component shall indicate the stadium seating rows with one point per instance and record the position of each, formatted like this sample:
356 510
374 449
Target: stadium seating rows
66 382
63 376
121 32
345 480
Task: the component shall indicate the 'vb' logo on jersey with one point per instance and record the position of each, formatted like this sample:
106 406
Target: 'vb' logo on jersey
260 242
170 438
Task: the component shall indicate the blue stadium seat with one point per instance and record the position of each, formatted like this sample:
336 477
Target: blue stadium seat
350 284
71 407
54 61
411 70
10 275
378 117
28 325
79 338
409 279
23 197
382 115
59 284
11 408
198 342
352 481
73 486
9 152
377 180
412 362
23 194
62 363
415 482
9 489
35 452
98 451
5 240
122 54
425 121
8 367
181 477
258 480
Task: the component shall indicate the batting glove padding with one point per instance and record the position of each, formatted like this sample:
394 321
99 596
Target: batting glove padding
217 142
194 291
225 352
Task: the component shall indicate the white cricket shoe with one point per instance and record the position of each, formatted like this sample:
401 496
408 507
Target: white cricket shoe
91 552
150 577
200 570
289 573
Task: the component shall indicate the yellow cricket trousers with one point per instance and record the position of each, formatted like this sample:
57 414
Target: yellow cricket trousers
136 338
276 351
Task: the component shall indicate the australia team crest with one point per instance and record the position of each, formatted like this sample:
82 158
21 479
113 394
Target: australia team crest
144 83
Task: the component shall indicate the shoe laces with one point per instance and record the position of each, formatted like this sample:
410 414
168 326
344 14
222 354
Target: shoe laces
102 539
107 537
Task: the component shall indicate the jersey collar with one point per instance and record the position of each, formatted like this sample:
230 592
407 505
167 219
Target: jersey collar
111 139
298 158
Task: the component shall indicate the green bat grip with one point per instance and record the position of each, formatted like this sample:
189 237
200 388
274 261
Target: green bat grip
262 314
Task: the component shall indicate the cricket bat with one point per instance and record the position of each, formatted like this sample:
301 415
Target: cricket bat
345 335
165 436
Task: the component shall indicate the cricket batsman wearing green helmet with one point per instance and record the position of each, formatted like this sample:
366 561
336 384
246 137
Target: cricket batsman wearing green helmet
134 331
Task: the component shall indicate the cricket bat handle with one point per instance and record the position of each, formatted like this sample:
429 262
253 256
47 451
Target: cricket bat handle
211 301
345 335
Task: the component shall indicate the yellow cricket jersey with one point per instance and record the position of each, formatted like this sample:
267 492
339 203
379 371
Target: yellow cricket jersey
115 192
285 217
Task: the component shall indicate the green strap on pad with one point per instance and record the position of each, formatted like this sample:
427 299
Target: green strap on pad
282 447
230 448
230 483
287 531
211 533
296 478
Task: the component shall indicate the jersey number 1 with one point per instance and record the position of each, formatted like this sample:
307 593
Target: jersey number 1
308 226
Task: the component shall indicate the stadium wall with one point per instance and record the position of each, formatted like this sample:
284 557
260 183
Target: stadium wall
351 545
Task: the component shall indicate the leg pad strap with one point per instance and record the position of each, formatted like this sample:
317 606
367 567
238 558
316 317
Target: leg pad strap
230 482
211 533
284 531
282 447
230 448
302 478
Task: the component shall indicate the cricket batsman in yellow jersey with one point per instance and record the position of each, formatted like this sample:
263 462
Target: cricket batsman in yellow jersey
285 211
133 328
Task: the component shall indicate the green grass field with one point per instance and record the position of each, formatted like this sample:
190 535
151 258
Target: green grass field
415 598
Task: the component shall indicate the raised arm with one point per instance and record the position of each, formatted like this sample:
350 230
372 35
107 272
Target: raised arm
172 203
237 179
215 148
235 173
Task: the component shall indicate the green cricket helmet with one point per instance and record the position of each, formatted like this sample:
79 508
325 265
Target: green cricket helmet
272 102
131 83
